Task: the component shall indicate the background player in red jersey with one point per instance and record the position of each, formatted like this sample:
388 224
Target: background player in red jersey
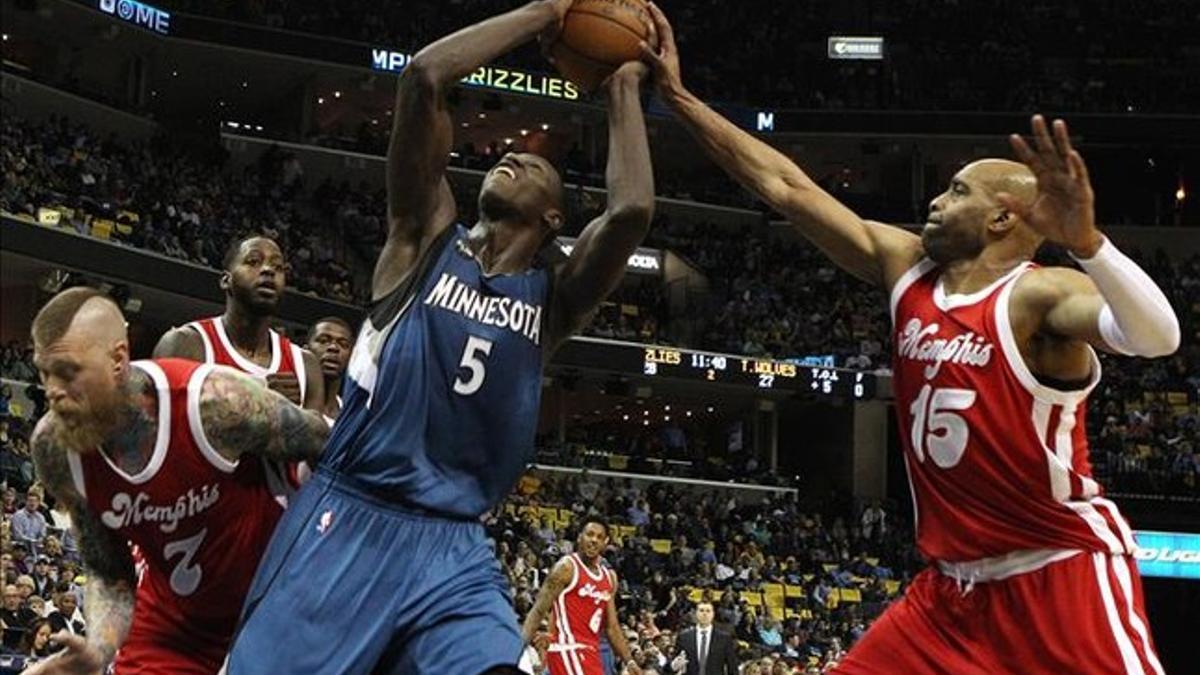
254 280
580 595
331 340
1031 569
146 452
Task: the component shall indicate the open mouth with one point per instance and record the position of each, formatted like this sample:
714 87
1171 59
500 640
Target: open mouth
505 171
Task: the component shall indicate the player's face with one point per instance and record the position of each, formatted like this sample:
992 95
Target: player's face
957 225
592 540
521 185
704 614
258 276
80 378
331 344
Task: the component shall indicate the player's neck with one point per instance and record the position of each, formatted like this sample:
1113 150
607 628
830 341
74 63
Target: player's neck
593 564
503 246
131 442
333 388
249 332
964 277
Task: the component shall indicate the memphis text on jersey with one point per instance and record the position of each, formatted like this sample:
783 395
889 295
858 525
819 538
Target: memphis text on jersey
453 295
127 511
915 344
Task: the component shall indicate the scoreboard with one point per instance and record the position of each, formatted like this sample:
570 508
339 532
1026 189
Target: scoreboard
658 362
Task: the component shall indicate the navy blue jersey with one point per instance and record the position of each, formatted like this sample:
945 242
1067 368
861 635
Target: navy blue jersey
441 398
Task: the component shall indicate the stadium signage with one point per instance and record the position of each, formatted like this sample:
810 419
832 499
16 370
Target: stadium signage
138 14
490 77
643 261
1168 554
859 48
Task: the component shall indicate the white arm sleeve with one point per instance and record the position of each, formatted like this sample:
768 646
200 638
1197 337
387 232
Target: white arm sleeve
1136 318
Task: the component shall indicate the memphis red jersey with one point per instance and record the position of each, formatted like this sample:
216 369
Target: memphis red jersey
578 617
286 357
200 524
998 461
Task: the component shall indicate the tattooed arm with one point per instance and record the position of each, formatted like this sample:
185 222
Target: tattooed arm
109 594
240 415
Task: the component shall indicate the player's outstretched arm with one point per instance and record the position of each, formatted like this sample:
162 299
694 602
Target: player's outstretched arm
598 260
1115 306
616 636
558 580
109 595
871 251
420 204
238 415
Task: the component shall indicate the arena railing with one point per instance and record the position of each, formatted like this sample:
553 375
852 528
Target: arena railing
743 492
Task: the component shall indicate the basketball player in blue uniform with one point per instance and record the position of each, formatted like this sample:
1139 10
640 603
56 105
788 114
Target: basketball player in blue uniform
381 565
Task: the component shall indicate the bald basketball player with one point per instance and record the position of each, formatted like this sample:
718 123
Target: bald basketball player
148 452
1031 568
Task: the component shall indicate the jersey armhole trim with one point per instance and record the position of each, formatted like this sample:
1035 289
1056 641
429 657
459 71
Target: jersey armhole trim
910 276
209 354
196 426
163 439
301 370
1016 363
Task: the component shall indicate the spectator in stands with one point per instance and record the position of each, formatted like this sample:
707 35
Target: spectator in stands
36 642
14 616
28 524
43 582
66 615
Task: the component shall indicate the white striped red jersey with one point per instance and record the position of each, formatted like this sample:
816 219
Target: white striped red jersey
283 479
579 609
997 461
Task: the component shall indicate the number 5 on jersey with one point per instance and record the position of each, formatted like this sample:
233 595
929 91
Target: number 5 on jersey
472 360
935 426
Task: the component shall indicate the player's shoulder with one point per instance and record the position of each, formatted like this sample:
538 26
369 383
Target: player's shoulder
1045 286
183 342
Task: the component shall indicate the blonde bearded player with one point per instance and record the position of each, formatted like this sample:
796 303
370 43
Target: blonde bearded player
993 363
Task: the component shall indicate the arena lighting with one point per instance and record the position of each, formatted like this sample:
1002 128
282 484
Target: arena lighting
6 37
320 100
524 132
545 126
245 84
337 94
625 417
508 141
1180 194
483 116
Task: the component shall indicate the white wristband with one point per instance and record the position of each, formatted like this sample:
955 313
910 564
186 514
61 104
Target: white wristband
1137 319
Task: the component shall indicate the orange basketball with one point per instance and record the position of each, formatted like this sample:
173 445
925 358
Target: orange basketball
598 36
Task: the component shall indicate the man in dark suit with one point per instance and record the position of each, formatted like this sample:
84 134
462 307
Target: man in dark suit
704 649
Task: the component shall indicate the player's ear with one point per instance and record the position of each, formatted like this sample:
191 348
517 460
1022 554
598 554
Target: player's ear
1003 221
552 220
226 280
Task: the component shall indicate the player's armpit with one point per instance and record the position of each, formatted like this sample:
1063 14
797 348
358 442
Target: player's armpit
180 343
1060 302
239 415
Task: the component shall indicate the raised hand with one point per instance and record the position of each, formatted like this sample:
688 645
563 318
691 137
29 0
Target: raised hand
665 59
1064 209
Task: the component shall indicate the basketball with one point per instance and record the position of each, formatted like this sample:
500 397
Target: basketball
597 37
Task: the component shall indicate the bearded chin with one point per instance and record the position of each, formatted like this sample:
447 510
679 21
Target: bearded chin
85 431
